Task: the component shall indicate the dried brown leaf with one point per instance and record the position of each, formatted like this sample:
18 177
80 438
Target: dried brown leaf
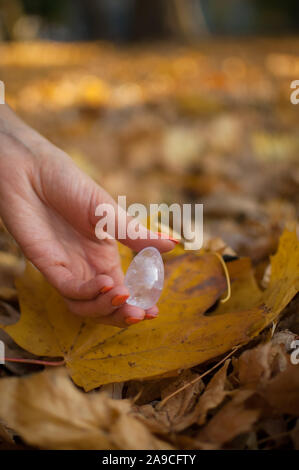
256 366
213 395
233 419
282 391
156 421
182 404
143 392
49 412
295 435
6 434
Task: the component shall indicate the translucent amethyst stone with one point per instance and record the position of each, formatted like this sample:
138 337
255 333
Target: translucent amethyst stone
145 278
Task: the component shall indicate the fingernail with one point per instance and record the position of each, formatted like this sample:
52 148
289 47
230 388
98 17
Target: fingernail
167 237
105 289
150 317
174 240
132 320
119 300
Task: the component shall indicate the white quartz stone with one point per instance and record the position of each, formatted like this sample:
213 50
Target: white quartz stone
145 278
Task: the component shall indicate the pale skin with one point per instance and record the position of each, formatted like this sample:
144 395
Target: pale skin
48 204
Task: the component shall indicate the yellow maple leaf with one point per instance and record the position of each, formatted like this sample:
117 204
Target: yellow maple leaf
182 336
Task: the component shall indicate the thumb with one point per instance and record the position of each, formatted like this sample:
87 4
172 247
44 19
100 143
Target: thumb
147 238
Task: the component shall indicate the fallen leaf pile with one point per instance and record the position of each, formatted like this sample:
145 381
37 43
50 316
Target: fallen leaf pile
169 396
62 417
209 124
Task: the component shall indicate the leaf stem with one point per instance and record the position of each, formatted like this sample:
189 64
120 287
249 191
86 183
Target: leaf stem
35 361
226 276
162 403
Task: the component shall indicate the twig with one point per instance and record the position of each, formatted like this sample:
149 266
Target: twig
276 436
162 403
34 361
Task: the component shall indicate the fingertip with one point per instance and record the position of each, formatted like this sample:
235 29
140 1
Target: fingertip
161 241
123 317
130 311
151 313
130 315
163 245
132 320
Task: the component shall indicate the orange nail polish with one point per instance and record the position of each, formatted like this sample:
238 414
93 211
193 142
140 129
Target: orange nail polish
119 300
105 289
150 317
166 237
132 320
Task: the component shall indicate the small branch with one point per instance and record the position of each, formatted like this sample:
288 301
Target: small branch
273 438
162 403
34 361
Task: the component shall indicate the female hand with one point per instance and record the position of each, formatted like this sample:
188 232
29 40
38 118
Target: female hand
48 205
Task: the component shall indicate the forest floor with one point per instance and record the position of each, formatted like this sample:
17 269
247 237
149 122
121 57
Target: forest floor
212 124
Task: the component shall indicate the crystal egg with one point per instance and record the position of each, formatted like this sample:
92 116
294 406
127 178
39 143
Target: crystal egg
145 278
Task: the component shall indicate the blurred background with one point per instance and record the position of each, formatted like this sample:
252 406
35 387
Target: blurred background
134 20
168 101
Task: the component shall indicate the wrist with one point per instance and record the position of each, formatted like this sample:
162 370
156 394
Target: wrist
12 126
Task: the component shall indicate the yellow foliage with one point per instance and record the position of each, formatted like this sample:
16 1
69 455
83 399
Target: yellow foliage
182 336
